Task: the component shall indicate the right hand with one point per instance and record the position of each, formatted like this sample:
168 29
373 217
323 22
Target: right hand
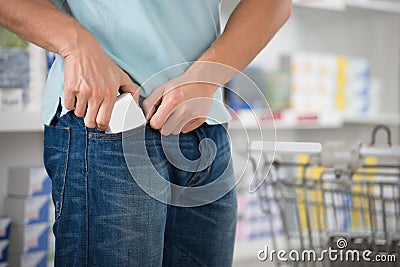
91 84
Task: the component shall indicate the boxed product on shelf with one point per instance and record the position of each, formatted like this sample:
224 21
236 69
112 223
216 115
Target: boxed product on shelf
313 79
246 90
252 223
325 83
29 210
5 228
23 70
14 77
31 259
12 99
28 181
29 238
4 250
277 90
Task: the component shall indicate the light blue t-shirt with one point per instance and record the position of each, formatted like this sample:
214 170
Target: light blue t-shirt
146 38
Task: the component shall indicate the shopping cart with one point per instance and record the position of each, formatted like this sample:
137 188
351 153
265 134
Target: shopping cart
332 197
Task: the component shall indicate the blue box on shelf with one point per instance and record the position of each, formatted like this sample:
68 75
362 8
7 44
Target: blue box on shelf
29 238
31 259
5 228
28 181
28 210
4 250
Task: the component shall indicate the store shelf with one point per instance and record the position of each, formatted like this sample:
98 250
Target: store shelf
388 119
248 250
339 5
392 6
389 6
20 121
288 120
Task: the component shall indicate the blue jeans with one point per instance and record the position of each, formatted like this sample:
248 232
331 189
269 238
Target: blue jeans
105 218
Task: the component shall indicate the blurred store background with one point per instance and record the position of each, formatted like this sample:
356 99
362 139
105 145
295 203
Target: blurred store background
331 74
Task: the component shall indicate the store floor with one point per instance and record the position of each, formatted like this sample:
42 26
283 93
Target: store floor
252 263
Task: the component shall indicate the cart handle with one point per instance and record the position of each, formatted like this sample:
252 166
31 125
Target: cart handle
287 147
387 130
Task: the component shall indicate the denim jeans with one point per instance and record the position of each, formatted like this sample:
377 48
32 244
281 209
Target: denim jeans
105 218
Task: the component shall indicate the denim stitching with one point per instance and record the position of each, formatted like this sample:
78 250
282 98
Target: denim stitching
86 198
194 181
118 136
64 177
60 128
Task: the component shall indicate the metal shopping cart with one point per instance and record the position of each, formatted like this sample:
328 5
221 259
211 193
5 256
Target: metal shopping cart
332 197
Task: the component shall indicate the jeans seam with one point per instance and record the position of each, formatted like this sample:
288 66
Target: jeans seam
64 177
118 136
195 177
86 197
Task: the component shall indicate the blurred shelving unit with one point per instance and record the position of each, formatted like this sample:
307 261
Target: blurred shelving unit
390 6
21 131
20 121
355 28
291 121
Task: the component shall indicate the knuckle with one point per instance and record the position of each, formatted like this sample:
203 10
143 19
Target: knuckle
70 90
172 101
177 94
90 123
146 103
154 124
83 94
79 113
102 122
108 96
95 94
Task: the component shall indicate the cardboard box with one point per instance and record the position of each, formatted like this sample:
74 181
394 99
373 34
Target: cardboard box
32 259
28 210
28 181
29 238
5 227
4 250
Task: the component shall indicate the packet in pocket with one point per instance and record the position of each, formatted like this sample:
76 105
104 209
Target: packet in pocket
126 115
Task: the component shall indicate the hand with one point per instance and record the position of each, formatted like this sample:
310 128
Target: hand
179 106
91 84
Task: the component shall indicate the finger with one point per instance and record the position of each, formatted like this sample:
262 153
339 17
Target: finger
164 110
153 109
104 114
178 128
193 125
69 100
127 86
91 114
151 103
173 125
81 105
136 96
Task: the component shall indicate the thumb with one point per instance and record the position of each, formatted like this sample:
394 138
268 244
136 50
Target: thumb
130 87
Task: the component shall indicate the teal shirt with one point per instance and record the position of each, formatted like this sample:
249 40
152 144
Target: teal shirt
144 37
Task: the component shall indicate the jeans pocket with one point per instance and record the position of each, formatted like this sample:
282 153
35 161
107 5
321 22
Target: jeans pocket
55 157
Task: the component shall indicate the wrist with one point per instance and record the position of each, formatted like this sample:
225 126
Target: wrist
199 74
79 41
211 72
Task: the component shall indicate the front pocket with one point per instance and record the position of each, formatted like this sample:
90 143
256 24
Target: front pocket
96 134
55 157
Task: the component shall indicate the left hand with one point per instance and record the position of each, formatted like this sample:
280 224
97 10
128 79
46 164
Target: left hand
179 106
